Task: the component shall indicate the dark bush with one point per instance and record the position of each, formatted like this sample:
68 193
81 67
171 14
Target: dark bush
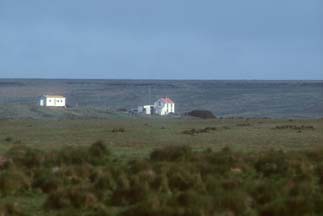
272 163
96 154
13 181
198 131
265 191
57 200
72 155
131 195
11 209
182 179
99 210
296 206
295 127
220 162
204 114
24 156
194 199
137 166
99 149
5 162
105 181
319 172
122 110
171 153
47 181
8 139
118 130
234 201
74 197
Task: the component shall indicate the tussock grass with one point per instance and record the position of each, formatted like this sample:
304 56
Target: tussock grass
174 180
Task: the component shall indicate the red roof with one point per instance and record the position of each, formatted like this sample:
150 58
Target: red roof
167 100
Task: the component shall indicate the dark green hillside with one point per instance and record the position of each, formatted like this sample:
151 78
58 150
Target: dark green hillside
276 99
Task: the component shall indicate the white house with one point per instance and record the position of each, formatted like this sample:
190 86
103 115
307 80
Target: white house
52 101
146 109
164 106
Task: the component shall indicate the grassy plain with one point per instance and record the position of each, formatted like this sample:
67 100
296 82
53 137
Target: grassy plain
143 134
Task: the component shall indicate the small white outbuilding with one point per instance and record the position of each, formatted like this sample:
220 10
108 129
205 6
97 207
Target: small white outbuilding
164 106
146 109
52 101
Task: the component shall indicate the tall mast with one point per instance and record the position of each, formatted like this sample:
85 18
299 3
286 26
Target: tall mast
149 95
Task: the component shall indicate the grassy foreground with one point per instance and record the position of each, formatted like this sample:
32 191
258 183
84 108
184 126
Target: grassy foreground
161 167
140 136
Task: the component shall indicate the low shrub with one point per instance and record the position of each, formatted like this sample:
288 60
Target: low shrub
24 156
272 163
172 153
118 130
47 181
105 181
74 197
11 209
13 181
58 200
4 162
182 179
8 139
99 210
296 206
132 195
234 201
99 149
72 155
198 131
295 127
137 166
220 162
319 172
244 124
174 181
96 154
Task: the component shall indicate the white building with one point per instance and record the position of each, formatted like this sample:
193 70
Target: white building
52 101
146 109
164 106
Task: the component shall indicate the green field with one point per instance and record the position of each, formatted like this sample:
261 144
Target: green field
144 134
154 166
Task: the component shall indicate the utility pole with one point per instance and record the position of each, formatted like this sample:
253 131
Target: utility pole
149 95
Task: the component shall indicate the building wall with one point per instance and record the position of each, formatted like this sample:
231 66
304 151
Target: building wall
147 109
162 108
53 102
42 101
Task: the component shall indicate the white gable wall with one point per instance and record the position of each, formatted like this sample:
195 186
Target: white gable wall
162 108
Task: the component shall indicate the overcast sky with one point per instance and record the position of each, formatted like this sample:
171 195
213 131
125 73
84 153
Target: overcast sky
161 39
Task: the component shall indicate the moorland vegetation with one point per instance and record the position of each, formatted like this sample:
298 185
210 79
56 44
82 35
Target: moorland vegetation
173 180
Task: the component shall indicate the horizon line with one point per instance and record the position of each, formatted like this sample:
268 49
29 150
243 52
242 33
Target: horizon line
133 79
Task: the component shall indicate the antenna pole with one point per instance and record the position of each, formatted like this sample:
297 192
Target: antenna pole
149 95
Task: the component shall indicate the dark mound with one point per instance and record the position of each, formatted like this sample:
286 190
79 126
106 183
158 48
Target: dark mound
204 114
